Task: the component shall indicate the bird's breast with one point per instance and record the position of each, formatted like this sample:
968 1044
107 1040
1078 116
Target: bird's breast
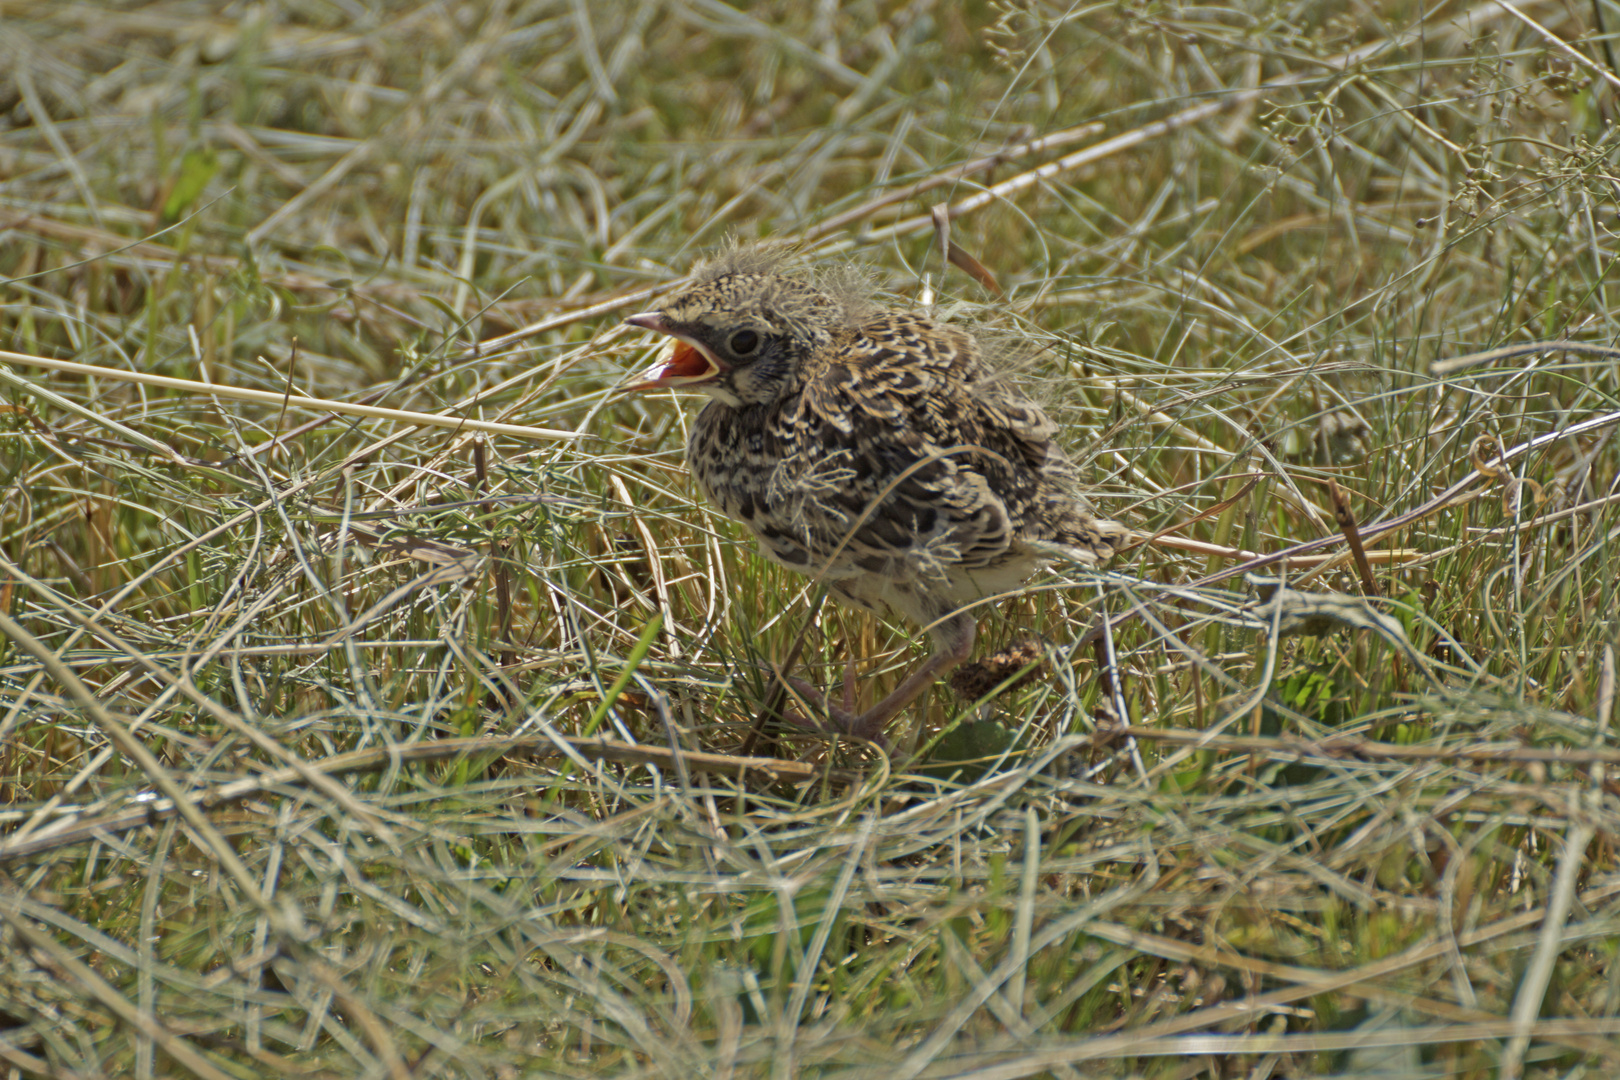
731 459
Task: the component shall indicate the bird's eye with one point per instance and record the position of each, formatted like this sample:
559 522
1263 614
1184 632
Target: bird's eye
744 342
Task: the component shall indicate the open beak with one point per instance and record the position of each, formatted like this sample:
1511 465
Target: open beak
686 363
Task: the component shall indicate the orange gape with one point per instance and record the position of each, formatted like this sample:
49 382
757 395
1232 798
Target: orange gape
684 362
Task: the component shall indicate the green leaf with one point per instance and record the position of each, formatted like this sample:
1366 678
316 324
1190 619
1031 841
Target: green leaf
196 169
969 750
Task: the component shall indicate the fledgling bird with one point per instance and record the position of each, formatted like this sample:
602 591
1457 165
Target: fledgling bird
877 450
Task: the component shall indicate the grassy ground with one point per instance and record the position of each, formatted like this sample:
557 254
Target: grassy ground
338 745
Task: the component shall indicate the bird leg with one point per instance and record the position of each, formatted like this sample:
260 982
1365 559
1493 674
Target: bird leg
849 685
953 643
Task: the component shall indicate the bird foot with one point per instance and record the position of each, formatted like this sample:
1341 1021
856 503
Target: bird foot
957 642
842 717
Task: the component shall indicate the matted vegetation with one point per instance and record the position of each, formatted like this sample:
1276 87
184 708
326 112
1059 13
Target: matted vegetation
342 745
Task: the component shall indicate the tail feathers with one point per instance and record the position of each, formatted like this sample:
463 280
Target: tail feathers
1090 544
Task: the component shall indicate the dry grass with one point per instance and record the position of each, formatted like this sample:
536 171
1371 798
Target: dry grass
344 746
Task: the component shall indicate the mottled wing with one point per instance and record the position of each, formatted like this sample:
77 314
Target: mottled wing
908 452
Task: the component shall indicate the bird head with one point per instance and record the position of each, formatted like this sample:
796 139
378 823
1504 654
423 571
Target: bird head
741 338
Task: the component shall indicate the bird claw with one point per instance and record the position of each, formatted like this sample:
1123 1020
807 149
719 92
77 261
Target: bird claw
957 642
842 718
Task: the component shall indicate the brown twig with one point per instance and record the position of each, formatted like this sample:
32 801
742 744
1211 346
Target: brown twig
956 256
1352 536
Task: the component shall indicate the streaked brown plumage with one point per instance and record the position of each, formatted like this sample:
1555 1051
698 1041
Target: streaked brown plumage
877 450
